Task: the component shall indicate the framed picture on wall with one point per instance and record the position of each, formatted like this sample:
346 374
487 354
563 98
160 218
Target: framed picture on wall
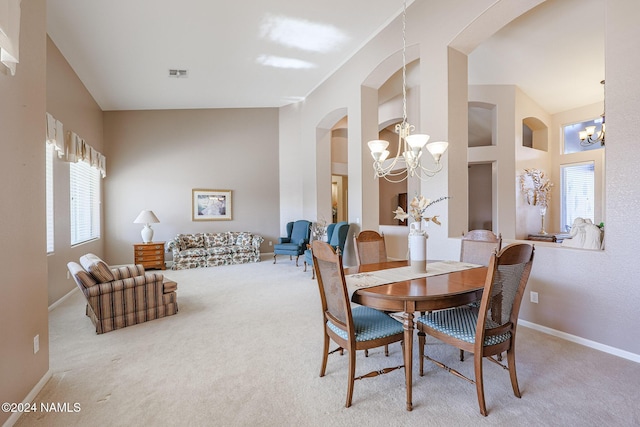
210 205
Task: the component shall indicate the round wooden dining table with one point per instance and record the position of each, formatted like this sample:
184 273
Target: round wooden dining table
418 295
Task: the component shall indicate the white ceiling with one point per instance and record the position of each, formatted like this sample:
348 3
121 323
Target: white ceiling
122 50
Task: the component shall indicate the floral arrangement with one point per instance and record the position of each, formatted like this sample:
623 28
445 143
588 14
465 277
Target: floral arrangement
319 229
538 192
417 209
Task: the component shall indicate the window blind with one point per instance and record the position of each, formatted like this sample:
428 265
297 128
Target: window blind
49 196
578 193
85 202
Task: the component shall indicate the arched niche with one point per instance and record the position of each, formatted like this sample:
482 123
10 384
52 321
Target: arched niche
535 134
482 124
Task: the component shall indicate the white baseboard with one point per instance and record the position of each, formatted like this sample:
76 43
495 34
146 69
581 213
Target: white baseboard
61 300
32 395
582 341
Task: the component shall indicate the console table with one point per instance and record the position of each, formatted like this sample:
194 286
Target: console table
150 255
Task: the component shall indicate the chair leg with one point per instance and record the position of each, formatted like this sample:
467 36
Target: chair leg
461 355
352 374
274 258
366 352
325 354
386 350
313 273
297 260
477 358
305 266
511 362
421 343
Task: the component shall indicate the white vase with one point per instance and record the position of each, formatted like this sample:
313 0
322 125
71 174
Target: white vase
418 248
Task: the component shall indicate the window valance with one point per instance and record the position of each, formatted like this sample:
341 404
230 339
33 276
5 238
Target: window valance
73 149
9 35
76 149
55 134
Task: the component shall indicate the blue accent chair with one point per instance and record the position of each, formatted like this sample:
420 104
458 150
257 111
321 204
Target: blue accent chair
337 236
296 241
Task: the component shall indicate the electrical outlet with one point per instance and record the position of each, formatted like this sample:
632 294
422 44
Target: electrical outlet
534 297
36 344
270 243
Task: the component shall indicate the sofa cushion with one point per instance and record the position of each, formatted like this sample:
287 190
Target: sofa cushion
81 277
241 249
212 240
169 285
193 253
242 239
192 240
97 268
218 250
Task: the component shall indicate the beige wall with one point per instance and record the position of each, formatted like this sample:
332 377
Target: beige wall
155 159
69 101
584 295
23 306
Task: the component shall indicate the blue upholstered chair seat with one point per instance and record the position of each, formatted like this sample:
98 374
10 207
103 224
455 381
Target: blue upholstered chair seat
287 248
370 324
460 322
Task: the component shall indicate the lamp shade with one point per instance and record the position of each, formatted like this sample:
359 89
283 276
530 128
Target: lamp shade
437 149
146 217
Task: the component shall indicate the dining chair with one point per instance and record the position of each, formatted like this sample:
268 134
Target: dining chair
489 330
351 328
337 237
477 246
369 247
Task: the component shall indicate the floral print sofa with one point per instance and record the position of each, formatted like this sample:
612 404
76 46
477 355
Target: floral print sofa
211 249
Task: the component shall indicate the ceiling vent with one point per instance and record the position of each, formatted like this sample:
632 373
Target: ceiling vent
178 73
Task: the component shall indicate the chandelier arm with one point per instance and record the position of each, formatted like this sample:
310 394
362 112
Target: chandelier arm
410 147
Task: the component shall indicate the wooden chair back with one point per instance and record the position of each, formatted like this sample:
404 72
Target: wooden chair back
369 247
477 246
374 328
504 287
332 285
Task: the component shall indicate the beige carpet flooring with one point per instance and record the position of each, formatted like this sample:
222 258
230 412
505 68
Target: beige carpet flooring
245 350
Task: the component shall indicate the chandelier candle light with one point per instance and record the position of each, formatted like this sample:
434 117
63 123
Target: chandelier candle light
410 147
417 236
587 135
146 218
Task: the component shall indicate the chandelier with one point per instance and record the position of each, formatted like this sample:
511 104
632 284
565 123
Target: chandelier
589 136
407 162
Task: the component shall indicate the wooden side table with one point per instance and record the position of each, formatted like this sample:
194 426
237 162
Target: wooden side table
150 255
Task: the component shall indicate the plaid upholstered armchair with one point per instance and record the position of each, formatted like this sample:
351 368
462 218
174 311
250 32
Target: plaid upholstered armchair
124 296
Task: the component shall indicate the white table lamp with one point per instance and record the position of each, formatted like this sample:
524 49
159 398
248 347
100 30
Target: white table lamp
146 218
